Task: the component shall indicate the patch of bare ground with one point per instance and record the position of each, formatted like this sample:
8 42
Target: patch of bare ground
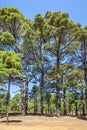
43 123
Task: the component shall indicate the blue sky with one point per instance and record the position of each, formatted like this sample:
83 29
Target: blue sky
77 9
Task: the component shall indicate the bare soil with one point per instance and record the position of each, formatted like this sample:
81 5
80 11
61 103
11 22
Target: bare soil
43 123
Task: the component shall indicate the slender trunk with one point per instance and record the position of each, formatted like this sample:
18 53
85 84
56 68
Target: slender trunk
85 69
86 83
69 108
42 79
75 101
41 90
57 87
57 103
84 61
26 91
76 108
86 97
83 106
22 98
7 102
64 101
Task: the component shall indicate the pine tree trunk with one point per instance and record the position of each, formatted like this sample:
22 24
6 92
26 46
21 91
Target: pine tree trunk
64 101
57 88
83 109
86 98
84 61
48 106
69 108
85 71
7 115
76 108
41 91
22 97
26 91
57 103
83 106
7 102
42 80
86 86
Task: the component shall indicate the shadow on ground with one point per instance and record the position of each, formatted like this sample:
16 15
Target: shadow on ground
79 117
82 117
11 121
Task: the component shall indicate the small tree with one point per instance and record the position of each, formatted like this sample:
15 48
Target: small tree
11 71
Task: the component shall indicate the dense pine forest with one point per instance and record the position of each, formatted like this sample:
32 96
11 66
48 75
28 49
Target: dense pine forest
47 59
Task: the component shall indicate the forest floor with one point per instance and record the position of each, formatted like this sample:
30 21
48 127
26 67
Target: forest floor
43 123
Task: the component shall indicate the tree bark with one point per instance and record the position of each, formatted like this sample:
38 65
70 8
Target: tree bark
42 80
41 89
84 61
64 101
76 108
22 97
57 102
57 87
26 90
7 102
83 106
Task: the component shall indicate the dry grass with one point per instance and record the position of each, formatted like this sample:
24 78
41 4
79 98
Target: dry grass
43 123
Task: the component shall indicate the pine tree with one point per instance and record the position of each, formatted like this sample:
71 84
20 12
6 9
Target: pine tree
11 71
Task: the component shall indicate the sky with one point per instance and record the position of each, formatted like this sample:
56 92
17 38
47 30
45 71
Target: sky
77 9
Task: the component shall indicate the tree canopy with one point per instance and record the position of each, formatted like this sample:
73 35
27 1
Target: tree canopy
47 59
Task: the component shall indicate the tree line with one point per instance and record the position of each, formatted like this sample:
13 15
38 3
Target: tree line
49 53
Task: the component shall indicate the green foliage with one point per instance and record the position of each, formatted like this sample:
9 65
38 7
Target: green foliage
53 54
10 64
2 98
6 39
15 104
